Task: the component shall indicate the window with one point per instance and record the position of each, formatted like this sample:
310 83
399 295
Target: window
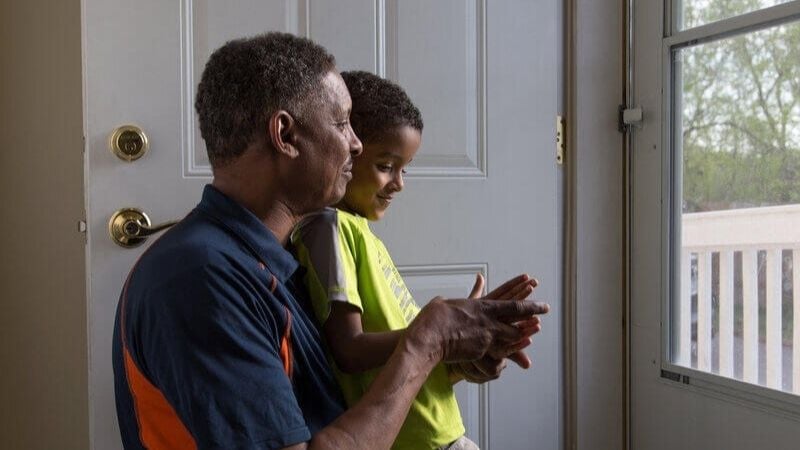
735 190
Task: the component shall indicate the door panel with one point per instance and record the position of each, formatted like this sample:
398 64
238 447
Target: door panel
480 196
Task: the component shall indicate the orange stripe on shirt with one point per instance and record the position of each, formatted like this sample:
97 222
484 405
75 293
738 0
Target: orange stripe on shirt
286 345
273 284
159 425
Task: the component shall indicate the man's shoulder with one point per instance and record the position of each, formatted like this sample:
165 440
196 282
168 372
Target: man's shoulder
190 246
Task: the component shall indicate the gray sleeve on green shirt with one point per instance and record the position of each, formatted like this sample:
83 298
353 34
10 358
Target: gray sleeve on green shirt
320 235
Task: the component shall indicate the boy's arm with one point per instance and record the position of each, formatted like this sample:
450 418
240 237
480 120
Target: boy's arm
354 350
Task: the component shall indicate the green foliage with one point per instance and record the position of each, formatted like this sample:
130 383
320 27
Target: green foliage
739 113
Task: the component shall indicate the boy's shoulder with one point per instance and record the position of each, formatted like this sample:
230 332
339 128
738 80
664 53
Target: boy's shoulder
323 221
329 220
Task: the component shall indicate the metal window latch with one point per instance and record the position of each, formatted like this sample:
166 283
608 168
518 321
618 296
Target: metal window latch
629 117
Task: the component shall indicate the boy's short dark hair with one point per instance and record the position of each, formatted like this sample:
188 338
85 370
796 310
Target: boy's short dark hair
379 105
246 80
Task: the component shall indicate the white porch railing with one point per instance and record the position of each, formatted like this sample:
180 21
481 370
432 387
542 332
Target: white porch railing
737 351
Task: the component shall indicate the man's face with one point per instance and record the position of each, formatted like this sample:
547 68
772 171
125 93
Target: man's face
327 145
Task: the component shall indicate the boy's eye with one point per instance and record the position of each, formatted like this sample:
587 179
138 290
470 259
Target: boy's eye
385 167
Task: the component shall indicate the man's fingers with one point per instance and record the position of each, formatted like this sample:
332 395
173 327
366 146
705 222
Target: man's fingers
514 311
477 288
505 337
490 367
472 373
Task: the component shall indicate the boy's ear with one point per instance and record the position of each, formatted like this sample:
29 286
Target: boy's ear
283 129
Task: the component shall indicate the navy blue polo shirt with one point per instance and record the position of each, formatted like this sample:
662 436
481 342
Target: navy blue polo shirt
214 341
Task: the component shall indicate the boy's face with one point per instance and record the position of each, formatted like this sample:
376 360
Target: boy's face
378 172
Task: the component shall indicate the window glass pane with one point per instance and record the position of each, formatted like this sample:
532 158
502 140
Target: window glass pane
693 13
736 309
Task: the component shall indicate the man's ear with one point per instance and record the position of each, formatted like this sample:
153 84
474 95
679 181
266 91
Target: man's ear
283 129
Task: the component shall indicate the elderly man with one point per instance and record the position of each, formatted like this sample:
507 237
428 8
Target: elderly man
214 343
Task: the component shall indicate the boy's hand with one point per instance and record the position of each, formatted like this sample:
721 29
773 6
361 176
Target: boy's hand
517 288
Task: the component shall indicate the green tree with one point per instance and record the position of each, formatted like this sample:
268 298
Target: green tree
740 113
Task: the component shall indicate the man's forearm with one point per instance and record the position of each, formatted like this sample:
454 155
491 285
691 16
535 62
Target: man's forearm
373 422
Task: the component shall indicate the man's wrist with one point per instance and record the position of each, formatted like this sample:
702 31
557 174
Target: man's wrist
422 338
417 347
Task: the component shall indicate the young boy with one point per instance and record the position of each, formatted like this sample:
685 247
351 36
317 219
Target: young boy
357 293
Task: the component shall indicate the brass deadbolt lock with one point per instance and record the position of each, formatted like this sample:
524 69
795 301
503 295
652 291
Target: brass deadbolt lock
128 143
130 227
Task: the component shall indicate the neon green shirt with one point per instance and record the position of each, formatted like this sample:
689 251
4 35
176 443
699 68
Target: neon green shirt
346 262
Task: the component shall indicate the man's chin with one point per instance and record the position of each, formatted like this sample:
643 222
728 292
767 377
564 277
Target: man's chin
337 196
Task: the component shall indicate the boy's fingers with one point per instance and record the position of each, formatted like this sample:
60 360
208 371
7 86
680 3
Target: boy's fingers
517 355
503 290
522 293
520 290
523 290
520 359
532 322
477 288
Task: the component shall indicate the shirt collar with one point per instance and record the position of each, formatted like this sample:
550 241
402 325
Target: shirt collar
247 227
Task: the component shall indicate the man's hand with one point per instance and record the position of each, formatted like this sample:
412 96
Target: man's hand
467 330
517 288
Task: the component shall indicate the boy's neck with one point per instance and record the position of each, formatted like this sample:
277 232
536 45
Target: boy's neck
343 206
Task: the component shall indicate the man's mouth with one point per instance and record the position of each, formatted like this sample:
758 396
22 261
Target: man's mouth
348 170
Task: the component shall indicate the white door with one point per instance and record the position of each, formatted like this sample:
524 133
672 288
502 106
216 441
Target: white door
480 197
715 267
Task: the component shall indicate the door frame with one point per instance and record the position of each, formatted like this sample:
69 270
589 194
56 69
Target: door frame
594 281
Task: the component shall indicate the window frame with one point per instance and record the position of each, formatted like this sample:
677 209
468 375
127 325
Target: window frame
760 397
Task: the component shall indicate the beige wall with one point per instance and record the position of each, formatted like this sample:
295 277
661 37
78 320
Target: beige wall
43 347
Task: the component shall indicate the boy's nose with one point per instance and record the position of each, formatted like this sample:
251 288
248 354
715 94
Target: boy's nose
355 143
398 181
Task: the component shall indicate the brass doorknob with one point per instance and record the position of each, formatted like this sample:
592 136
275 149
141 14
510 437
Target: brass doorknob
130 227
128 142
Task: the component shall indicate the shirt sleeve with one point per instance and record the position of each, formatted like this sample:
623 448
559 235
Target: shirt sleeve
211 345
327 250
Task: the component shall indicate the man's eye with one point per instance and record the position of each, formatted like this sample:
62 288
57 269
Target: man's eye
343 125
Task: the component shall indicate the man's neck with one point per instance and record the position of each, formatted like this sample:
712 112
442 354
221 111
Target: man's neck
255 193
280 220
